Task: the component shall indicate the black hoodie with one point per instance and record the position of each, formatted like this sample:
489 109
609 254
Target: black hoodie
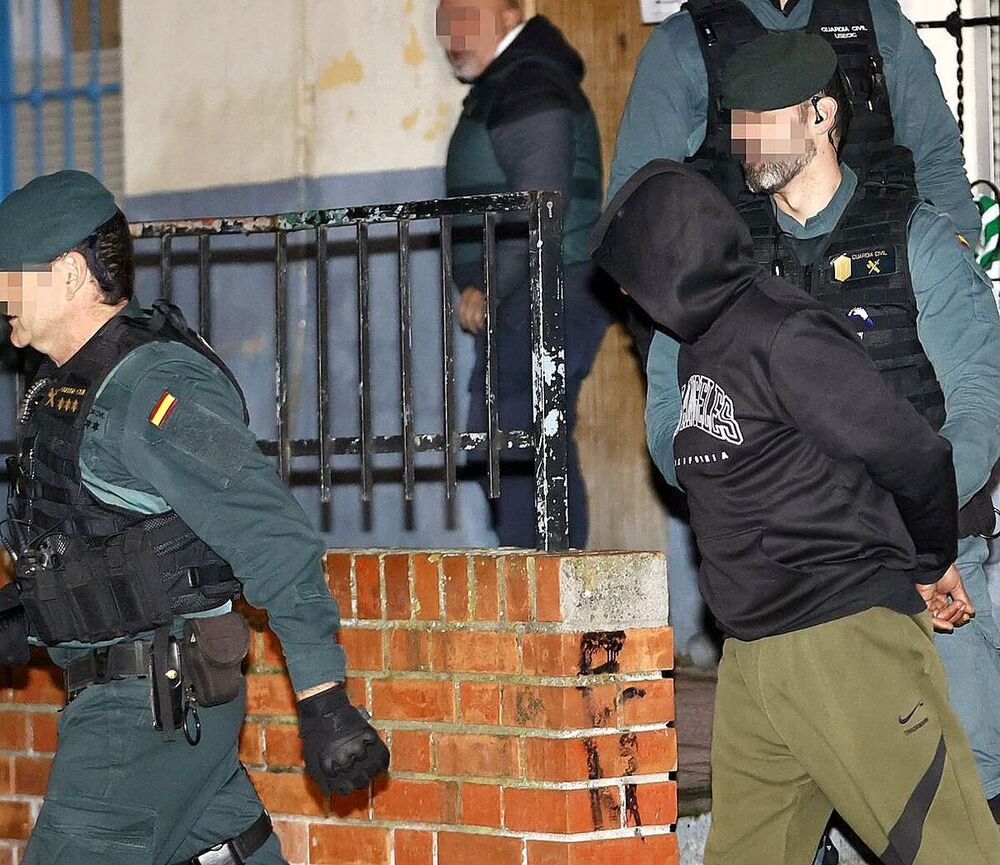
815 492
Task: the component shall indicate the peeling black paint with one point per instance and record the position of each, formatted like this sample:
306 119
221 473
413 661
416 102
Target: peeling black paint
604 645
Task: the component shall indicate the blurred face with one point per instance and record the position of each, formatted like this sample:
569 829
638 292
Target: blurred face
774 145
35 308
470 31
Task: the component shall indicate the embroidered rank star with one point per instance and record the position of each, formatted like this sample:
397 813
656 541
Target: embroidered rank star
161 411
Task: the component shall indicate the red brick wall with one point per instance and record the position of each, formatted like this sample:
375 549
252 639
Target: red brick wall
524 699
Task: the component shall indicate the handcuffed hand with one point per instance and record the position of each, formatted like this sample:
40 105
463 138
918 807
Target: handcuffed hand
343 752
947 601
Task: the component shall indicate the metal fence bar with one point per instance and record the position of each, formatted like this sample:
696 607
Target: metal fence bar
510 202
406 357
205 287
548 372
364 363
448 366
322 371
492 415
548 436
281 352
393 444
166 267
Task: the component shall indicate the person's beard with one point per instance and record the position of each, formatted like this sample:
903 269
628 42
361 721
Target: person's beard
771 177
465 66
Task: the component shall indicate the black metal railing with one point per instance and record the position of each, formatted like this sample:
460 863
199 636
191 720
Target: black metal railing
548 437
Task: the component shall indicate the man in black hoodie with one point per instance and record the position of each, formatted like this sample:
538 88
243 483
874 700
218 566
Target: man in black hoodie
525 125
824 544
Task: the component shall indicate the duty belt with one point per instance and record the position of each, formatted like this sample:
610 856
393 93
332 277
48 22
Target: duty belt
107 664
235 851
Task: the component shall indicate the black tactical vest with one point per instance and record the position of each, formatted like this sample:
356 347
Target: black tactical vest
725 25
88 570
863 273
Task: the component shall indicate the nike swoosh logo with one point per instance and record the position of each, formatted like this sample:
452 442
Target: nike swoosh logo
906 720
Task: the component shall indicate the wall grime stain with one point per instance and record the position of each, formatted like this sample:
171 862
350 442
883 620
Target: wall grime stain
528 708
607 645
413 51
628 751
410 121
341 71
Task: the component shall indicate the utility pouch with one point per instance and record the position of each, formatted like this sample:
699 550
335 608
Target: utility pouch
214 649
14 648
75 590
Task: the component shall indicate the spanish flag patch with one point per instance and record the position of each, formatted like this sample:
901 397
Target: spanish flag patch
161 411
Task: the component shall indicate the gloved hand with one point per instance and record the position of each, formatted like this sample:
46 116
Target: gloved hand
14 649
343 752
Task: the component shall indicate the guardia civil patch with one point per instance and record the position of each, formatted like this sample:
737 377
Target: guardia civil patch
867 264
161 411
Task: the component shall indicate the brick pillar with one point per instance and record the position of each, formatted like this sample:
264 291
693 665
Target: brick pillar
526 700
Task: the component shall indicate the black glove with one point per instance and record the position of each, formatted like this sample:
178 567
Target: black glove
14 649
343 751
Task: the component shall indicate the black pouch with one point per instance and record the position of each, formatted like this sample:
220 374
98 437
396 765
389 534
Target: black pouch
214 649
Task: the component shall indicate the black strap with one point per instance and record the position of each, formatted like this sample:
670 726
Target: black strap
107 664
236 851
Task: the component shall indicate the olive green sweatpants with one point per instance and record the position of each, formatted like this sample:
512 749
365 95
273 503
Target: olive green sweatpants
853 716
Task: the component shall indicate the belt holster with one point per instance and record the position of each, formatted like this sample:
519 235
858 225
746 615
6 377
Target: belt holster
236 851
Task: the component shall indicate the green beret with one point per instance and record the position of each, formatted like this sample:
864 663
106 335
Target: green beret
51 215
778 70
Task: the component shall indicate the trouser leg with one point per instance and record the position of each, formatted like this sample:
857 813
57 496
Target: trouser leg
972 665
120 795
862 702
765 806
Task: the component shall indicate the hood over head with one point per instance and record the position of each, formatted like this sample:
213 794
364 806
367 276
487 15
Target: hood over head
677 246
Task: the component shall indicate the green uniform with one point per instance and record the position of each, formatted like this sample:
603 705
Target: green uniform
115 782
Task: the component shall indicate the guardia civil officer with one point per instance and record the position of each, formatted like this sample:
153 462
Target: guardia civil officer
141 507
894 269
825 510
674 108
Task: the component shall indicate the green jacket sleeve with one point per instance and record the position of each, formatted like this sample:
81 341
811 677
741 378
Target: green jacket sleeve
663 404
667 105
924 122
959 328
205 463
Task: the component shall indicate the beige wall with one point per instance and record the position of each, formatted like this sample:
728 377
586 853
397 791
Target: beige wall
222 92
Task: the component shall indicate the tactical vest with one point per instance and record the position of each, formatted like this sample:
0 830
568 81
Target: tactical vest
725 25
473 169
864 274
88 570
